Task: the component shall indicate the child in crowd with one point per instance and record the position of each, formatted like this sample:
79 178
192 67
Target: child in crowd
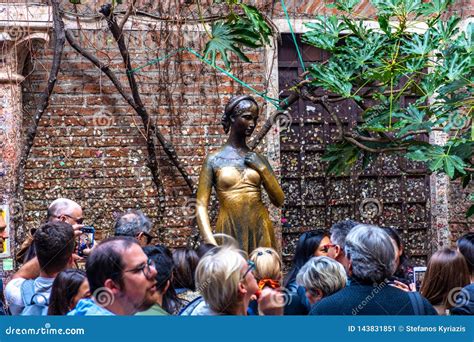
267 272
267 267
69 287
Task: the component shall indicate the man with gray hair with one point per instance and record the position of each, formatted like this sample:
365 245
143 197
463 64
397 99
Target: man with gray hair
371 261
339 233
135 224
61 209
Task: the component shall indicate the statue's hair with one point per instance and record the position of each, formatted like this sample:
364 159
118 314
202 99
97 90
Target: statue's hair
229 111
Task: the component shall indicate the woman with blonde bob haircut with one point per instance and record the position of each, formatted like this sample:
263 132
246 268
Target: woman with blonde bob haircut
321 277
227 284
267 267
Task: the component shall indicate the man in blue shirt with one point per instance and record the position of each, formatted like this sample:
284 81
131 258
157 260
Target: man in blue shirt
121 279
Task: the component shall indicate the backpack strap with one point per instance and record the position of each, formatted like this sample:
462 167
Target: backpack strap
417 303
27 291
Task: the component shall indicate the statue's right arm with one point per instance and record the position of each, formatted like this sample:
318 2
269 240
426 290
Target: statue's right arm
202 202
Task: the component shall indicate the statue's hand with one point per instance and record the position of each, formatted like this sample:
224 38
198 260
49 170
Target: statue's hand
254 161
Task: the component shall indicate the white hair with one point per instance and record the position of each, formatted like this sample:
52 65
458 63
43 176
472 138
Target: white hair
371 252
62 206
322 273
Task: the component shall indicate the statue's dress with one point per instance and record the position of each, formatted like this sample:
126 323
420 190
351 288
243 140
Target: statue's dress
242 213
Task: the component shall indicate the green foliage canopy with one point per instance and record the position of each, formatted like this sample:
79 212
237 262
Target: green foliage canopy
411 52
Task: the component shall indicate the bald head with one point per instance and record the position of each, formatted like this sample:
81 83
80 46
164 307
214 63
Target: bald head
65 210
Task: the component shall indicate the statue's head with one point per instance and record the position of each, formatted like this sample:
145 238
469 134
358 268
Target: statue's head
241 114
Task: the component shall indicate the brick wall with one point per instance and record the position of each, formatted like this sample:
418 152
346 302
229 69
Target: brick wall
90 145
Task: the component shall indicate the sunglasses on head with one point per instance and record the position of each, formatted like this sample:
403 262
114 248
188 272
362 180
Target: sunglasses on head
266 251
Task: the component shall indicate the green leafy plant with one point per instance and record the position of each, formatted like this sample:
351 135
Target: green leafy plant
243 27
385 64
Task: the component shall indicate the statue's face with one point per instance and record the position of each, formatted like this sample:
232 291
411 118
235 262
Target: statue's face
245 118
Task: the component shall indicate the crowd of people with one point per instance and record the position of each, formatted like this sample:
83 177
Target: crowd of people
351 269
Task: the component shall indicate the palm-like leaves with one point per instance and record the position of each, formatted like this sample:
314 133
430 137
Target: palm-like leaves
328 31
436 65
229 36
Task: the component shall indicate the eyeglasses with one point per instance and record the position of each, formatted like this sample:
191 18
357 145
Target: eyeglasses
251 267
146 268
325 248
77 220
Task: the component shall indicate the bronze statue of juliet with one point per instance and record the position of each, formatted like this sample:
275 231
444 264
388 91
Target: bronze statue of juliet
237 174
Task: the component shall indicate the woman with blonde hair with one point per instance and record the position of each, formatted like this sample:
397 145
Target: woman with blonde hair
267 273
227 284
267 267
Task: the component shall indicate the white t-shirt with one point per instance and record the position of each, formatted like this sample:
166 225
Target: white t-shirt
13 296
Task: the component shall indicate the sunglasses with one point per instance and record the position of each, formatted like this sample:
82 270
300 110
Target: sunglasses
77 220
251 267
326 247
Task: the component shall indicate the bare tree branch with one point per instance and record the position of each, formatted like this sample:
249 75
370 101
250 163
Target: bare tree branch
103 67
374 150
336 118
127 14
142 112
272 120
59 40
